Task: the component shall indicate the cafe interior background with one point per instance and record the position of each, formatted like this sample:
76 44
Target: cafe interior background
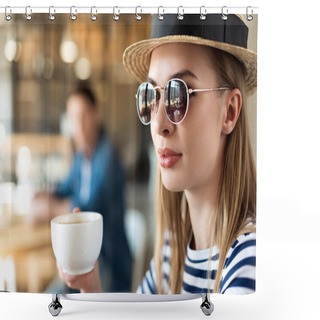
40 63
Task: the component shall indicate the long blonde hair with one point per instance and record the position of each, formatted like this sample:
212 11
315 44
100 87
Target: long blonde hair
237 195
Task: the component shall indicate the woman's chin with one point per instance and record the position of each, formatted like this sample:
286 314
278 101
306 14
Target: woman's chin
172 182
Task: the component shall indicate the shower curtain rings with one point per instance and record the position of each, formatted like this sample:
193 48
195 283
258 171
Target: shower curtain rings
52 12
160 15
203 13
138 17
73 13
28 13
116 13
249 16
180 13
7 15
93 15
224 13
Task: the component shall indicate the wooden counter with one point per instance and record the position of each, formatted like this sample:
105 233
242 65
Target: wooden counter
39 143
32 253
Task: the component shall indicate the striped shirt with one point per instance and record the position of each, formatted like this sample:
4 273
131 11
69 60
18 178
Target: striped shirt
238 276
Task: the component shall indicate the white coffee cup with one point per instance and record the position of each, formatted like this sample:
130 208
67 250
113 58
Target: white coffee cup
76 241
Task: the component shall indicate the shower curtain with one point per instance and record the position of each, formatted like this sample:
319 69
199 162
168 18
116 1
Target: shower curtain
44 59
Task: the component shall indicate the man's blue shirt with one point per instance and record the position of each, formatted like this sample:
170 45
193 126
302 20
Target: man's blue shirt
107 189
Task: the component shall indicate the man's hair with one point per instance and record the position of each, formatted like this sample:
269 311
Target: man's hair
87 93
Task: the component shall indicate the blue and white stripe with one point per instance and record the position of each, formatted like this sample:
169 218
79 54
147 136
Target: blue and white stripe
238 276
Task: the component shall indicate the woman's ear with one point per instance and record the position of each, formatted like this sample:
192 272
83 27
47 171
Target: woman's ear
232 111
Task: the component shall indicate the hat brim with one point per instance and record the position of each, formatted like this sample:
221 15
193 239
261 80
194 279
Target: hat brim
136 58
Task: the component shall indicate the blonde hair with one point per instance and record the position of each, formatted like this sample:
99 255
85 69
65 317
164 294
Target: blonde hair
237 196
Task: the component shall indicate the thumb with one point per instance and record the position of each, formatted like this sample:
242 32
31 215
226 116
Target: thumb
76 209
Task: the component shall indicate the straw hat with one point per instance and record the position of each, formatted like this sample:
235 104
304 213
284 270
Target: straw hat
228 35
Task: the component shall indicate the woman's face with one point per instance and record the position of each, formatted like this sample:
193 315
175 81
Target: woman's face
190 154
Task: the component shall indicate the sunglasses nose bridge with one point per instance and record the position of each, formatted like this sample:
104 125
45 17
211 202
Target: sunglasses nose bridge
160 117
159 97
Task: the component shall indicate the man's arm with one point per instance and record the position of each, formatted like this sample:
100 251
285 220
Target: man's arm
45 206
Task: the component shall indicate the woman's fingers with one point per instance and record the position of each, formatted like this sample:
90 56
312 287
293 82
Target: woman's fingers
76 209
74 282
69 280
89 282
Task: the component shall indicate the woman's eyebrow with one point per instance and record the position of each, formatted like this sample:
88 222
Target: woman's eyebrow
180 74
150 80
184 73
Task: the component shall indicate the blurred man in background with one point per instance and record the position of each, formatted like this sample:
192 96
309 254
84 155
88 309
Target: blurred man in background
95 183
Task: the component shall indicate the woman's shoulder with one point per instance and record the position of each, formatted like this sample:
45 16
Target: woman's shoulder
242 248
239 268
245 239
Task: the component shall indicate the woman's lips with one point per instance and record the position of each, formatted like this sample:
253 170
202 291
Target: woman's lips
168 158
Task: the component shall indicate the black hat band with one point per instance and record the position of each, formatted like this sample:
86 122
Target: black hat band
232 30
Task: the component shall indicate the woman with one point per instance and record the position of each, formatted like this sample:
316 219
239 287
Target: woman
198 74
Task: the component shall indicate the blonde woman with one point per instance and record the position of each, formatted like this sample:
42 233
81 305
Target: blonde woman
195 76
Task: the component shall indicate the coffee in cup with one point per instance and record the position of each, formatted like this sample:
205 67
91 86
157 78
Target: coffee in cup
76 241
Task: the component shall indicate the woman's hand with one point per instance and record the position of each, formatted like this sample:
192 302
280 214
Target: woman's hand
88 282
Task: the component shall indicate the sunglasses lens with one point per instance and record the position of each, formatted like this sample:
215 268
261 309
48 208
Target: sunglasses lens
146 102
176 100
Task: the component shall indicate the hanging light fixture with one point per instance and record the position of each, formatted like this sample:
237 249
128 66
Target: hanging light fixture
12 50
68 50
83 68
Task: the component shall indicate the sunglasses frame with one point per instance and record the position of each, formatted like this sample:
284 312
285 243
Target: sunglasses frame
188 92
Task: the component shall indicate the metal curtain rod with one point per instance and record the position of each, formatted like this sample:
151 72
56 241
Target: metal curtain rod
128 10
